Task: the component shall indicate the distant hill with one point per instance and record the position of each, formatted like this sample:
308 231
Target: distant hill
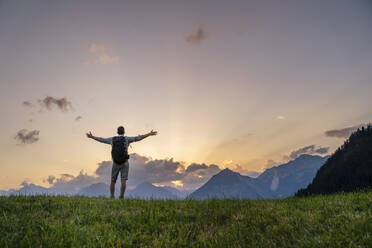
30 189
348 169
228 184
147 191
277 182
97 189
144 191
181 194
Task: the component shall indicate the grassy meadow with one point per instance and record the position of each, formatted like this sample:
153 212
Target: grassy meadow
341 220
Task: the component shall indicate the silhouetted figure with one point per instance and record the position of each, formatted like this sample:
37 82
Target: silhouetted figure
120 156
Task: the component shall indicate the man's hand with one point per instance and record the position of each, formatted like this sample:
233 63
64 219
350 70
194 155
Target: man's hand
153 133
90 135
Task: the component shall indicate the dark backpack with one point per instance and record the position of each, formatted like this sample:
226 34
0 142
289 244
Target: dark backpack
119 150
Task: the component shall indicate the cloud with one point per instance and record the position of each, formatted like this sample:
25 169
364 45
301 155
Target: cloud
70 183
312 149
97 47
342 133
27 137
322 150
239 168
142 169
102 59
198 37
166 171
28 104
154 171
104 169
245 172
78 118
105 59
270 163
177 183
26 182
51 179
197 178
195 167
67 183
62 103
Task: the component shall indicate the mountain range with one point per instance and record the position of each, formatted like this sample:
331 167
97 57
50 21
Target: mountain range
277 182
145 190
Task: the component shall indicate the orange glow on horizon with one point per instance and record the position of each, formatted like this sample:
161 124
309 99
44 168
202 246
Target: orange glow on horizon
177 183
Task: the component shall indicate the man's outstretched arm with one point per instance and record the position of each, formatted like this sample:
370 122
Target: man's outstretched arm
99 139
141 137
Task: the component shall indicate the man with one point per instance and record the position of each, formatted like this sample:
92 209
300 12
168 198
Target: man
120 156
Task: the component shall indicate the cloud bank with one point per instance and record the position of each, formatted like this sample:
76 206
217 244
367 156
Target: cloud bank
166 172
27 137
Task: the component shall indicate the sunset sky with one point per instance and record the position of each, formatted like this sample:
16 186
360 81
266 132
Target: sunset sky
240 84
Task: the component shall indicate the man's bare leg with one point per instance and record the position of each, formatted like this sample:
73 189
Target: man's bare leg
112 189
122 188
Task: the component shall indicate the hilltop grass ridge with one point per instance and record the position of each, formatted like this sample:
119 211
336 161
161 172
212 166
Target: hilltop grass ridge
339 220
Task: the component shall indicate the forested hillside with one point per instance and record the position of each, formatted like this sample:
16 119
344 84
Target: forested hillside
348 169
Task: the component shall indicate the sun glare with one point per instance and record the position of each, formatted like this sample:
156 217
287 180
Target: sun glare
177 183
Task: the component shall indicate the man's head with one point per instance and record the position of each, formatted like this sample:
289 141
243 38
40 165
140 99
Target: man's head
121 130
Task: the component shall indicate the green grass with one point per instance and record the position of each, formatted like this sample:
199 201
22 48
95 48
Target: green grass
342 220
